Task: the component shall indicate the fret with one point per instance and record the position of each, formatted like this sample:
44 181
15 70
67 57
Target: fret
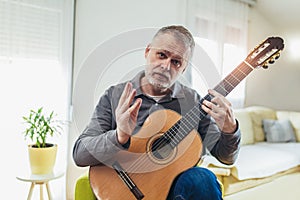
241 71
219 88
187 124
190 123
183 130
233 79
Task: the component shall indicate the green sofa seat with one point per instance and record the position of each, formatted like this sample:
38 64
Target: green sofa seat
83 190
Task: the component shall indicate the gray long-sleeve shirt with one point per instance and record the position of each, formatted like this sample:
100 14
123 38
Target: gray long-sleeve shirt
98 142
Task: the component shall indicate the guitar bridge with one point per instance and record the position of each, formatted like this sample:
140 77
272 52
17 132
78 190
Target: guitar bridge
128 181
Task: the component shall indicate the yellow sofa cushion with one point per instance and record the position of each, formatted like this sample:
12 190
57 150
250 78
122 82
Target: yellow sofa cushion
257 114
245 124
294 118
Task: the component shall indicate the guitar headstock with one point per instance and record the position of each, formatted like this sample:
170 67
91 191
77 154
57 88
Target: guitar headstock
266 52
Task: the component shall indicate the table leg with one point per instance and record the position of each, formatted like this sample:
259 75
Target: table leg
48 191
41 192
30 191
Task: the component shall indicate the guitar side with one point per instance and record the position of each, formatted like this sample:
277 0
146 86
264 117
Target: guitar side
152 176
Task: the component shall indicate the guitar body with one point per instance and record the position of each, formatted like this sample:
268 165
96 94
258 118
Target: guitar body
152 174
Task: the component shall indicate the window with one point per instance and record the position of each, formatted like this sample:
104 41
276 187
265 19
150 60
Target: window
35 63
220 28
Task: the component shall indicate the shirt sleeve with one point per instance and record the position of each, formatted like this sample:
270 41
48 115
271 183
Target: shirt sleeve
98 142
223 146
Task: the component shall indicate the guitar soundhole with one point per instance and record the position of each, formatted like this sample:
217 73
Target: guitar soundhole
161 150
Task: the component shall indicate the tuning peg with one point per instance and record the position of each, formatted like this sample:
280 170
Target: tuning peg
277 55
265 66
271 61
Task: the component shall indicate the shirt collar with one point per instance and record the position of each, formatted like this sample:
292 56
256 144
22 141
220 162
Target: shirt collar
177 87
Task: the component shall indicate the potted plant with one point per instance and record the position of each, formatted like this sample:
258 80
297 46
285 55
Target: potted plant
42 155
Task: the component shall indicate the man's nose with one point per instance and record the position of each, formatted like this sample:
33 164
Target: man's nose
166 64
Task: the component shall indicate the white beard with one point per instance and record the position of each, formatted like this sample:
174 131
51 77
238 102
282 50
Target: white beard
158 84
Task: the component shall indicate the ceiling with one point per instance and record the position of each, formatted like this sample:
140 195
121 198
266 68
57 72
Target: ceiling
283 13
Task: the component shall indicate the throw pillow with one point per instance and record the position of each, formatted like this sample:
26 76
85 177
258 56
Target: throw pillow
257 114
245 124
279 130
294 118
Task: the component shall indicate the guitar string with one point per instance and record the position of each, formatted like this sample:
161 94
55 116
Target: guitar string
235 77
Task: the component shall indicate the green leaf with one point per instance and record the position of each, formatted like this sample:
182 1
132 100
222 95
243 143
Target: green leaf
40 126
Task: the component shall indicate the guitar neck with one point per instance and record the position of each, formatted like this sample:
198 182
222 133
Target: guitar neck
191 119
233 79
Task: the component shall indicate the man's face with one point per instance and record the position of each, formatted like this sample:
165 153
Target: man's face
166 58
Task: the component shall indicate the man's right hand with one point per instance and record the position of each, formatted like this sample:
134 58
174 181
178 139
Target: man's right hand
126 115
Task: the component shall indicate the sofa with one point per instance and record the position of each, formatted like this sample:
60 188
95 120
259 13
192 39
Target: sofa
268 165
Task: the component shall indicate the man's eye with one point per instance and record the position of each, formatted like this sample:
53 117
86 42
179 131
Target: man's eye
176 63
161 55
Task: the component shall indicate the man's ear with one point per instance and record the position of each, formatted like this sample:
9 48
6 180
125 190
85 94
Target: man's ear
147 50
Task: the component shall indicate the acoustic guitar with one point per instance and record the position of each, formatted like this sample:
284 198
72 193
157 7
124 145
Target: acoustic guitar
168 143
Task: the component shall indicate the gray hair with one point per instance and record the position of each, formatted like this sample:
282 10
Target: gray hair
179 32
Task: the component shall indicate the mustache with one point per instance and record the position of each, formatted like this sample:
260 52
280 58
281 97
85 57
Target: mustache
164 74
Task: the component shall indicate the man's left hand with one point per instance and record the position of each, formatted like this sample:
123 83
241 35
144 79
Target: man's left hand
219 108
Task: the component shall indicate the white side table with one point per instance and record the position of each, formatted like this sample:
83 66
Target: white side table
41 180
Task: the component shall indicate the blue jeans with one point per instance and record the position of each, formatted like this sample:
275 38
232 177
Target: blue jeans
195 184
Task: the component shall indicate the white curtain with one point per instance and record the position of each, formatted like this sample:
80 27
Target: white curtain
35 60
221 28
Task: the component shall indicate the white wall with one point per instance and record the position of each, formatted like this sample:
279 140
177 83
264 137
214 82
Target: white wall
278 86
96 22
